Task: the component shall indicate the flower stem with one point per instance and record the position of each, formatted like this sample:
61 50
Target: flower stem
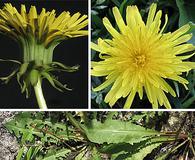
39 95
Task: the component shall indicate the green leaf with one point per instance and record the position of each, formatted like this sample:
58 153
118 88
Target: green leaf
122 7
29 153
192 30
144 151
96 154
55 155
20 153
74 122
187 14
20 129
116 2
117 131
186 10
137 117
35 151
97 21
27 129
123 151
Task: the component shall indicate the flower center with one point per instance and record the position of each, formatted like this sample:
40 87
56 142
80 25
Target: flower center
140 60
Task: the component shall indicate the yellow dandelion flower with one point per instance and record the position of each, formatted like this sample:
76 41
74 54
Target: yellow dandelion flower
140 58
45 27
37 36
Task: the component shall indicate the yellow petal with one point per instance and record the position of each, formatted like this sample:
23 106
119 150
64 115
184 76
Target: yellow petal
119 19
110 28
151 14
129 100
23 12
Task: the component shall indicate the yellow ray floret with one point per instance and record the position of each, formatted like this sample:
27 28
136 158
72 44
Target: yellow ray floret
46 26
140 58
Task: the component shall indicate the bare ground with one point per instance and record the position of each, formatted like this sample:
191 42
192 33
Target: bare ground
8 143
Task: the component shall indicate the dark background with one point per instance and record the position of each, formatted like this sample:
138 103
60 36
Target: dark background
69 52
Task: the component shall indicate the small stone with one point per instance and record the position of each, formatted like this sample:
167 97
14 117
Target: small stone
8 143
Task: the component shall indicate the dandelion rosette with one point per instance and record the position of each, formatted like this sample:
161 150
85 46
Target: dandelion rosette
37 36
140 58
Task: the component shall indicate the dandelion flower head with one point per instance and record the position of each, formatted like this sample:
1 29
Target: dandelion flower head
47 27
140 58
38 34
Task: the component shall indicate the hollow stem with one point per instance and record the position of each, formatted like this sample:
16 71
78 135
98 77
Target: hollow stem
39 95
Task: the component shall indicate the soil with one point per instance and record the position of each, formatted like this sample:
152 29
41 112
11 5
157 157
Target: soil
8 143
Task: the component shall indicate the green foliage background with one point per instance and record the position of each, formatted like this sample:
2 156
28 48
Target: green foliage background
179 12
103 135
